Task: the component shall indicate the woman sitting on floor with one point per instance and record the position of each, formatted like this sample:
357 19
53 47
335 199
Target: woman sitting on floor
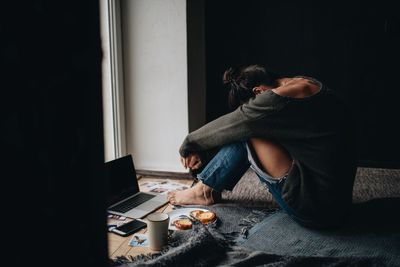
295 133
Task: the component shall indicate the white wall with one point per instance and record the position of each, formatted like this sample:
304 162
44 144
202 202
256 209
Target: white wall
106 83
155 81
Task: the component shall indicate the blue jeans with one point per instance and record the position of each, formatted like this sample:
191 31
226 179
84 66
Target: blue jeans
229 165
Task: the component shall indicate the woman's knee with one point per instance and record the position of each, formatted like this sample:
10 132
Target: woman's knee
225 169
229 155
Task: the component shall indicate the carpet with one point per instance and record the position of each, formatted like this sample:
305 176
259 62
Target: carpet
370 183
251 231
222 245
202 246
372 231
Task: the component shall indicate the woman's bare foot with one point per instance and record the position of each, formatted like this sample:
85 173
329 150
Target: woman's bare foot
200 194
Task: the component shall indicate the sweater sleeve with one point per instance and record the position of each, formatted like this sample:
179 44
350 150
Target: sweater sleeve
239 125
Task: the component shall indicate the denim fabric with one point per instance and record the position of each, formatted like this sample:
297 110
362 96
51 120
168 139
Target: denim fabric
226 168
229 165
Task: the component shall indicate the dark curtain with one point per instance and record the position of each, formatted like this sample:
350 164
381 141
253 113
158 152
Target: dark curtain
350 46
51 134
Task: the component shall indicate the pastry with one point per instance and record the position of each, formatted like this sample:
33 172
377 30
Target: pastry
195 213
183 224
207 217
204 217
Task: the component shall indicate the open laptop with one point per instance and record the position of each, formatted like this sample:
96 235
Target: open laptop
124 197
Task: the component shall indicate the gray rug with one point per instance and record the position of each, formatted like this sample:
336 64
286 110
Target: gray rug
251 232
225 244
372 231
370 183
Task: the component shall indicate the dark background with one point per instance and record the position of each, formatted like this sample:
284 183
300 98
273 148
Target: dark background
53 200
352 47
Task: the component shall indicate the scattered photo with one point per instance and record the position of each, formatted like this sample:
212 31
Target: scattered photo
149 184
159 190
162 187
139 240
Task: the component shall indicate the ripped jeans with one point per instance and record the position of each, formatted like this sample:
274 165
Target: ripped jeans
229 165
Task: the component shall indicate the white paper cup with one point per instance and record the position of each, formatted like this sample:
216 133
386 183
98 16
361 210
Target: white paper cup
157 229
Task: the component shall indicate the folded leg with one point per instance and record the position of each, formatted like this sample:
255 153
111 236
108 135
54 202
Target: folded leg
222 172
226 168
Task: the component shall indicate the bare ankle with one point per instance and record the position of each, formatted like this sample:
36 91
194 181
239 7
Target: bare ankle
200 194
210 195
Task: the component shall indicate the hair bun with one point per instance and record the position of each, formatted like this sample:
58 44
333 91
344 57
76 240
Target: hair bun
241 80
230 75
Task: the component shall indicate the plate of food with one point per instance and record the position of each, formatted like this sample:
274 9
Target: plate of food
179 219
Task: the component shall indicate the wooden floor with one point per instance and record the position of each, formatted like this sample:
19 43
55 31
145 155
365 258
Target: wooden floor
117 245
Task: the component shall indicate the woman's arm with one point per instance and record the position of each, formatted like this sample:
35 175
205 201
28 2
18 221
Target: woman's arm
243 123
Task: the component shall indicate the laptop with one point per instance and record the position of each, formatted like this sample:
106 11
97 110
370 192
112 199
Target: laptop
124 197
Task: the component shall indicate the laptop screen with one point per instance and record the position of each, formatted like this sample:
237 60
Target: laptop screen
121 178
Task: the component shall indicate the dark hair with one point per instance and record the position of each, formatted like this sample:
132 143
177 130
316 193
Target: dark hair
242 80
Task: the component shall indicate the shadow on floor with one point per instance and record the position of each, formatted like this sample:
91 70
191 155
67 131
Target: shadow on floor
376 215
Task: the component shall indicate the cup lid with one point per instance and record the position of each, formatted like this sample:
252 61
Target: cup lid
157 217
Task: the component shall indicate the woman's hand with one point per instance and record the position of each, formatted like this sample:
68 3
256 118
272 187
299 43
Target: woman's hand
192 162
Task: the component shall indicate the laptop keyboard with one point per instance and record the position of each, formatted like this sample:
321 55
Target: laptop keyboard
132 202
